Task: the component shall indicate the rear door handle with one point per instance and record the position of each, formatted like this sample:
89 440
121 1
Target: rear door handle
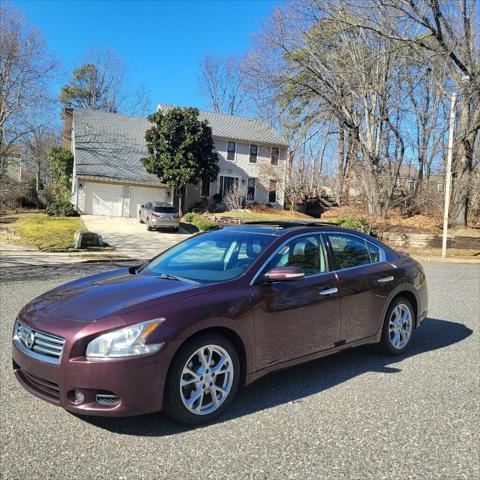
328 291
385 280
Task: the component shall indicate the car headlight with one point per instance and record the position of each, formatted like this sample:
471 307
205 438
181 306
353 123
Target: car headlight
125 342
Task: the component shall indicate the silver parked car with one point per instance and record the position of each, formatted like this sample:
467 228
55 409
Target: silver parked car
159 215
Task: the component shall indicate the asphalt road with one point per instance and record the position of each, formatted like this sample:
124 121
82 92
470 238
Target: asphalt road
354 415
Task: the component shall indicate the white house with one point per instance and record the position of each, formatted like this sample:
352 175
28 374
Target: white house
109 179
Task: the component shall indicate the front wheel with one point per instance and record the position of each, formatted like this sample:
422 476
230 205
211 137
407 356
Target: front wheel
398 327
203 379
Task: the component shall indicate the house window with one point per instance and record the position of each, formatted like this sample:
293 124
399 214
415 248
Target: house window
231 150
251 189
205 189
275 155
253 153
272 191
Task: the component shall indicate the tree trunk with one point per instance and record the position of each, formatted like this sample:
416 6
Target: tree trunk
462 169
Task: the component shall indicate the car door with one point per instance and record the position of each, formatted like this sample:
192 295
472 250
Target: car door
299 317
365 281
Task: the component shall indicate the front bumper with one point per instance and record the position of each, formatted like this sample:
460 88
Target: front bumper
138 382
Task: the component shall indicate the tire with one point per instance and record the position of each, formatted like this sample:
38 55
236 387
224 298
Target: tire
199 384
175 229
393 341
140 220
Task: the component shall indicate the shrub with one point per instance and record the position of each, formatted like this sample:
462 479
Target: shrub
201 222
354 223
188 217
61 209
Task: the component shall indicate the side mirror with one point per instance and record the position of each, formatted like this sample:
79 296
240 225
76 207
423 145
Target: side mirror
284 274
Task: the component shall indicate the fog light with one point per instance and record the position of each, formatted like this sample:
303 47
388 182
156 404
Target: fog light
79 396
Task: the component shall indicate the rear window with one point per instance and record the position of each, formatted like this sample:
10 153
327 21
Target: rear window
164 209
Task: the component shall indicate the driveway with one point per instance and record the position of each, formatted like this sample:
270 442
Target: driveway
131 238
357 414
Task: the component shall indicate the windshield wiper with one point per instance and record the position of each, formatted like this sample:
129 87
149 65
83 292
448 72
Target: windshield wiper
168 276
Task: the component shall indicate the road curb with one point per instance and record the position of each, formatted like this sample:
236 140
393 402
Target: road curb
471 261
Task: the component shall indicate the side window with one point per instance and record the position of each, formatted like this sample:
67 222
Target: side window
348 251
376 254
305 252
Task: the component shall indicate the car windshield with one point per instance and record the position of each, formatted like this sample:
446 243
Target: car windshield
210 257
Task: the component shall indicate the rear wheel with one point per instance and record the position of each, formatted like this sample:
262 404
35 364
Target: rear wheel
203 379
147 221
398 327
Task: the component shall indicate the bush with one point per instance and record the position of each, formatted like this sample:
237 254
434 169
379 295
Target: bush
188 217
201 222
354 223
61 209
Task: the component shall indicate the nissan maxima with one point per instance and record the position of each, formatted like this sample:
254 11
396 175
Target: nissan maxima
185 330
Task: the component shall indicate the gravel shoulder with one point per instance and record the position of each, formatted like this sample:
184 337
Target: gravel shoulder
353 415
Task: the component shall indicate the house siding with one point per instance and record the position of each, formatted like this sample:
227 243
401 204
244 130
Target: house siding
263 171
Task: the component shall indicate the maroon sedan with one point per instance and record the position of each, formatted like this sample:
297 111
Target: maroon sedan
185 330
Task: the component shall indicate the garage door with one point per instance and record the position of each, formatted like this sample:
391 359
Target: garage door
141 195
103 199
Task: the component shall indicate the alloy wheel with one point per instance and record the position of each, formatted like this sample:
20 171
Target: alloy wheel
206 379
400 326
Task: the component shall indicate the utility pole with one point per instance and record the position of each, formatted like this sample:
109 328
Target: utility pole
448 179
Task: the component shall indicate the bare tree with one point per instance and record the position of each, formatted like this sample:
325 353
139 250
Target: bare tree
36 148
222 81
234 198
101 83
98 83
327 71
26 70
140 103
443 31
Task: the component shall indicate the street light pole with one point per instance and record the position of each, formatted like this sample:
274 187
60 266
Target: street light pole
448 179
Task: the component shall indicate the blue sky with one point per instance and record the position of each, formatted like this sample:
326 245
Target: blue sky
162 42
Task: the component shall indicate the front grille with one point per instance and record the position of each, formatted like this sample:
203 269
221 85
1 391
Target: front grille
39 344
44 386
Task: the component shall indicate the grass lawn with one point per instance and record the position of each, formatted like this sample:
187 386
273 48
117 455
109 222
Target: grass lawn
50 234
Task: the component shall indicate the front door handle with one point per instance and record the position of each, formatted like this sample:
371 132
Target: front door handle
385 280
328 291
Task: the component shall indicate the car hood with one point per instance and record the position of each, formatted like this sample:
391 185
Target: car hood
101 296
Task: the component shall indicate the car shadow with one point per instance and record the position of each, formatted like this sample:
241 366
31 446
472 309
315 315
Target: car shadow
296 383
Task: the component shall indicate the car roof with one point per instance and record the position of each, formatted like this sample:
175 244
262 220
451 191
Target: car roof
276 228
283 227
